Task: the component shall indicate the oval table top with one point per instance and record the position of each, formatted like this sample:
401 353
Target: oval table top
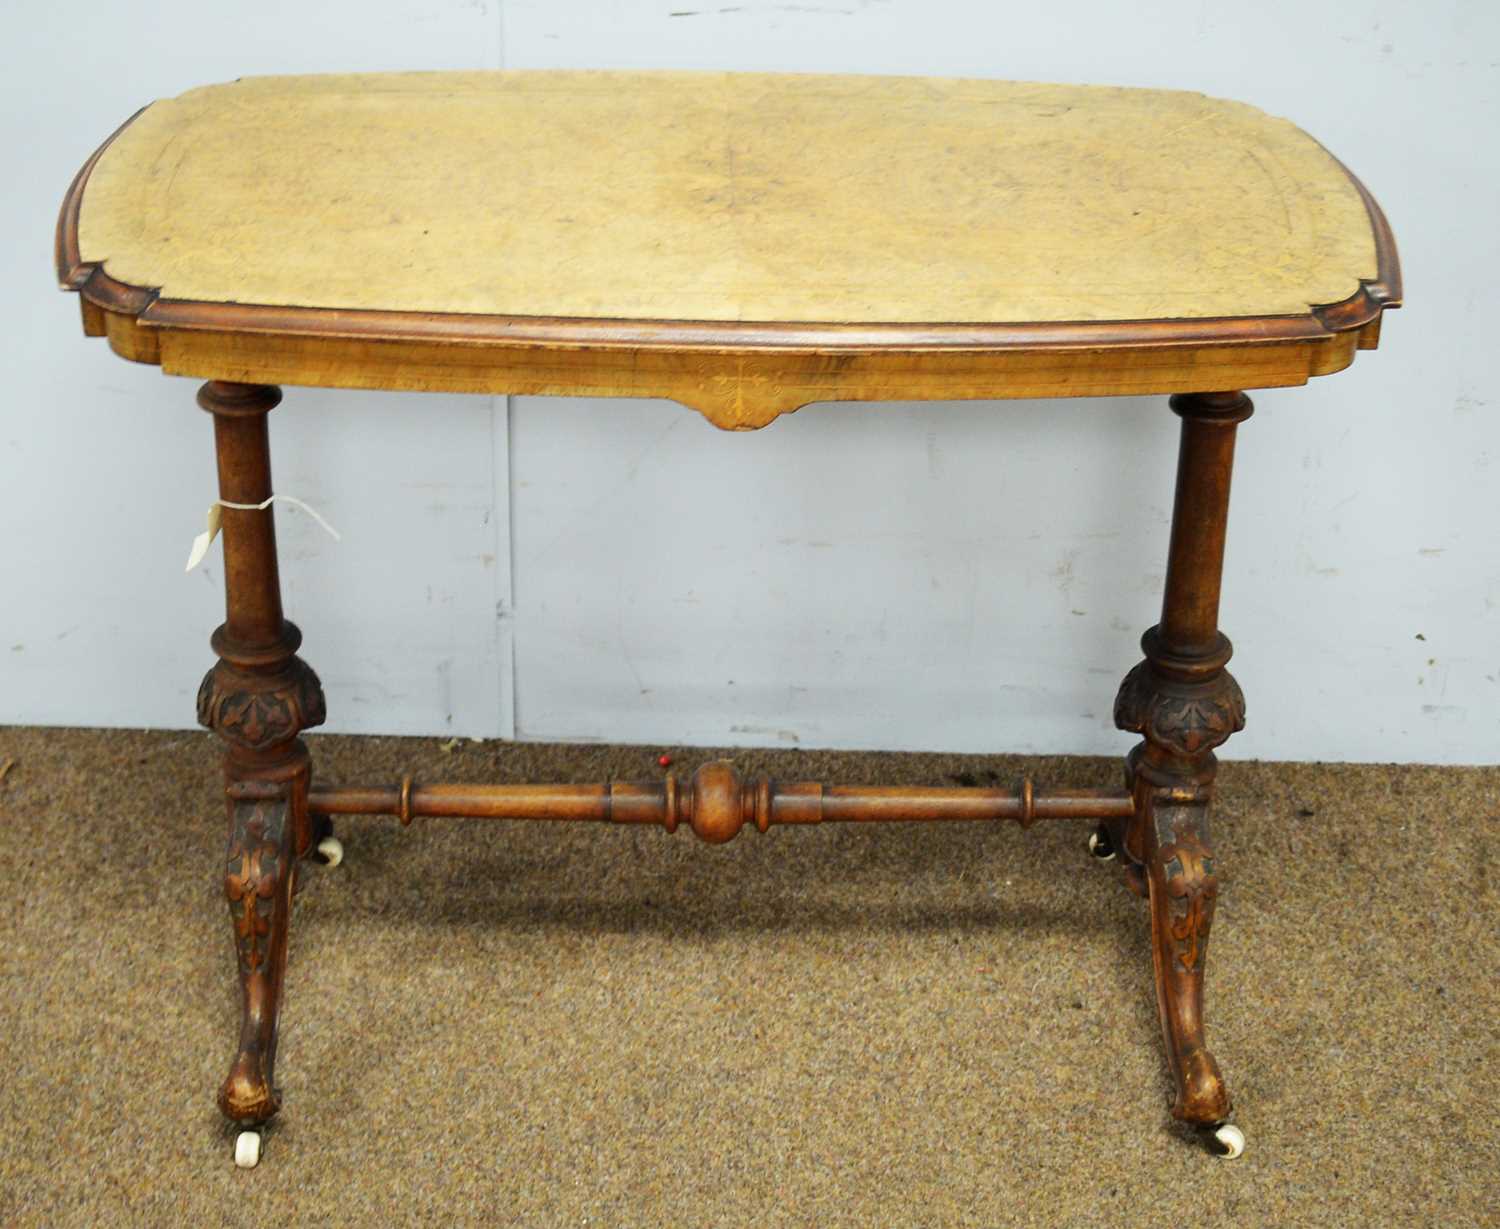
744 243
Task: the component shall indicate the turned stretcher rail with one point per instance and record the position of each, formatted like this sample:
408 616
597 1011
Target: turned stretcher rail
717 801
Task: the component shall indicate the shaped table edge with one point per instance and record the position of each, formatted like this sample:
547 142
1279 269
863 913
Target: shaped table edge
727 370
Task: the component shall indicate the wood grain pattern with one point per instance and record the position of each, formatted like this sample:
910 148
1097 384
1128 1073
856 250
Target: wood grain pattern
920 338
726 197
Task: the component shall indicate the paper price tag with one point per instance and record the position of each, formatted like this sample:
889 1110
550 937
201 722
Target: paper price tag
205 539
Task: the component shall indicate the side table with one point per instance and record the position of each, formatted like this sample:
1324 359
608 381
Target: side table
744 244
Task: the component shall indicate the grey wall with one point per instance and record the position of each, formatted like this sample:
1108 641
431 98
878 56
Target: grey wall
969 576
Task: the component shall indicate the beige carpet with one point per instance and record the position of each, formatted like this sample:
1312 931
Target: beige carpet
580 1025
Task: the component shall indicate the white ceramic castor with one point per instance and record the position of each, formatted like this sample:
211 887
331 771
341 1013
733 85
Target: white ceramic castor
247 1149
332 850
1229 1140
1100 847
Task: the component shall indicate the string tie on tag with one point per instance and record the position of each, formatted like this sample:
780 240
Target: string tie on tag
205 539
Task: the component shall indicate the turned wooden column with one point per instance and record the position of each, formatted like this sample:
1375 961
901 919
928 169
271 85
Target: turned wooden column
1184 703
258 699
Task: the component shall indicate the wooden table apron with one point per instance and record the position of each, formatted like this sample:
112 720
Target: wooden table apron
1180 698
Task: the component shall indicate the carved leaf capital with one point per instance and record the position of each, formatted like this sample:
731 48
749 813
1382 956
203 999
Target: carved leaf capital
1184 718
258 711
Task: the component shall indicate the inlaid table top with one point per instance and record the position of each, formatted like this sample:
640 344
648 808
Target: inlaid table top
743 243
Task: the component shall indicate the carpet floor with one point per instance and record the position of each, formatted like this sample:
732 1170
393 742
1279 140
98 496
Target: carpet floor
579 1025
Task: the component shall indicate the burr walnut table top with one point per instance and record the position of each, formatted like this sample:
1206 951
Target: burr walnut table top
742 243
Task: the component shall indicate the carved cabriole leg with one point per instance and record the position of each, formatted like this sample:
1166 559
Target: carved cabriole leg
258 880
1184 704
1182 891
258 699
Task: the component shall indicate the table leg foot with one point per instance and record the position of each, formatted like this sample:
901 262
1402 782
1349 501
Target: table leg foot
260 868
247 1149
1109 843
1183 888
1227 1140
